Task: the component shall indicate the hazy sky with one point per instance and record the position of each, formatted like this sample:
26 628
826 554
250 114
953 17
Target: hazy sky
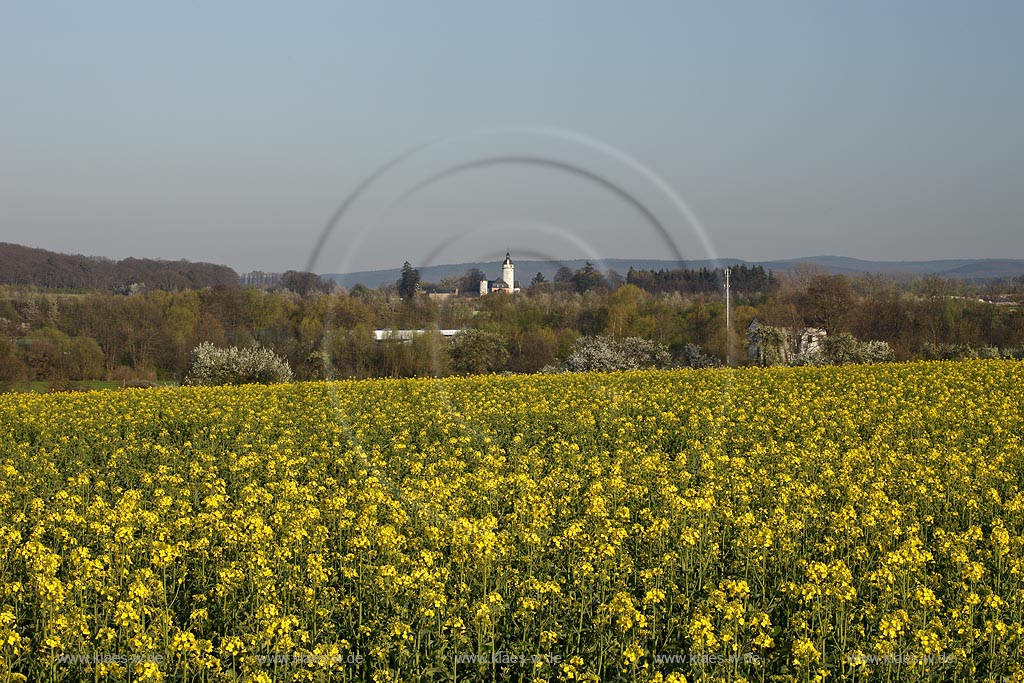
231 132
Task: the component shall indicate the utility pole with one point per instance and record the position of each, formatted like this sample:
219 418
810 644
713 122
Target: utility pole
728 322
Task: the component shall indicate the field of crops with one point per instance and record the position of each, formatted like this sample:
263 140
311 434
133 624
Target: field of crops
854 523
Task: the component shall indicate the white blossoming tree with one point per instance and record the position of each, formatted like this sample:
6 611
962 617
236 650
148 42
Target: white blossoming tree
211 365
606 354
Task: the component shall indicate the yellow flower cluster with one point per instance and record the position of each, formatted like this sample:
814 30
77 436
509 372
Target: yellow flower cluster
756 524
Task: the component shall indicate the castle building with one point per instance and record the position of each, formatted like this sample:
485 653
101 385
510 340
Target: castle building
506 283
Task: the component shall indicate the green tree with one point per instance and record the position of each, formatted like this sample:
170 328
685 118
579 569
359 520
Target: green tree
564 274
46 354
12 370
826 301
85 359
588 278
353 352
623 305
535 349
478 352
303 283
409 284
395 358
471 280
614 280
429 354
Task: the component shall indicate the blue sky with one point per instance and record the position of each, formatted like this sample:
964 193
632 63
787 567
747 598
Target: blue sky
230 132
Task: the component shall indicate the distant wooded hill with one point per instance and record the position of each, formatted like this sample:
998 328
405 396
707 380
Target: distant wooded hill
960 269
41 268
20 265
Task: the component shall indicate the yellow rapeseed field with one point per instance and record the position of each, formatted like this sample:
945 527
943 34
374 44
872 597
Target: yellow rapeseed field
854 523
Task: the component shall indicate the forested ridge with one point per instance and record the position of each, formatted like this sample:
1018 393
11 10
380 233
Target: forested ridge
20 265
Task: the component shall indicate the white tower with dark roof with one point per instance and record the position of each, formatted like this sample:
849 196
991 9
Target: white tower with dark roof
508 271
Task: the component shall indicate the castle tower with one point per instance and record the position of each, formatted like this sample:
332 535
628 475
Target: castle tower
508 272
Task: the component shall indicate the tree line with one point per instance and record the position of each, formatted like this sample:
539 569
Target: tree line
742 278
151 334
